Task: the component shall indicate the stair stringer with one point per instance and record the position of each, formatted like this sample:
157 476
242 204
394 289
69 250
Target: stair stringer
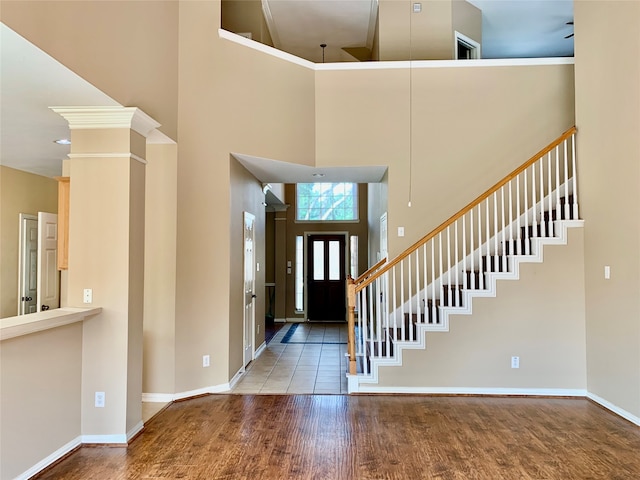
560 228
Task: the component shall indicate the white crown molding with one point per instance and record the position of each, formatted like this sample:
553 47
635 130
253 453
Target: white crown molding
156 137
107 117
133 156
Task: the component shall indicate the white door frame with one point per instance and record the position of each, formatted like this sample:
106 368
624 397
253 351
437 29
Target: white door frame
22 261
249 291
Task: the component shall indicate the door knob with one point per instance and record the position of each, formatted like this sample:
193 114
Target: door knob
45 307
254 296
27 299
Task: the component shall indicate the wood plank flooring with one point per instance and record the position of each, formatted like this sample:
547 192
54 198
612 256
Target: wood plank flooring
369 437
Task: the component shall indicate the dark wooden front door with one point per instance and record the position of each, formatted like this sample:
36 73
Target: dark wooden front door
326 277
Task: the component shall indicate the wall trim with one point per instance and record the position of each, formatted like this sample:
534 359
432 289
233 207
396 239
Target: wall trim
406 64
117 439
223 387
614 408
135 430
259 351
157 397
236 378
132 156
51 459
107 117
539 392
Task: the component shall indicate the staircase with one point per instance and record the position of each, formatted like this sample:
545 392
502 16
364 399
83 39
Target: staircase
393 304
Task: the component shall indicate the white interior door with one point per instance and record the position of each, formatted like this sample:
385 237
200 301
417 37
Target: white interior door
249 286
28 271
48 294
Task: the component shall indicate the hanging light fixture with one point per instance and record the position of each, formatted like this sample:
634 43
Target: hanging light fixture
323 46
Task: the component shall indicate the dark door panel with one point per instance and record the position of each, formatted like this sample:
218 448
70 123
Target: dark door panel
326 296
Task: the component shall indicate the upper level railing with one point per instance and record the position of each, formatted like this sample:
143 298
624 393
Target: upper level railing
391 297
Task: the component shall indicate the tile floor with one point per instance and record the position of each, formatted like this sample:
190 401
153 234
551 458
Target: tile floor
313 361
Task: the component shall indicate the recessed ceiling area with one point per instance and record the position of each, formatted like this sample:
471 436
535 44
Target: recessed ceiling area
274 171
31 81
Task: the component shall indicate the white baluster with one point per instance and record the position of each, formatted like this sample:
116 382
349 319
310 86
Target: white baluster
504 253
495 226
395 306
433 281
550 210
558 207
409 281
464 252
418 291
527 250
404 321
441 272
488 237
456 258
518 249
534 223
566 181
542 222
574 176
481 277
426 282
472 250
511 219
449 302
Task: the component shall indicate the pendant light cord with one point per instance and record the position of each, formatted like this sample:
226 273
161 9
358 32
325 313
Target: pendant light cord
410 106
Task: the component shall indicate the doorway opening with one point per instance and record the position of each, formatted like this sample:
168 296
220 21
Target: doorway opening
466 48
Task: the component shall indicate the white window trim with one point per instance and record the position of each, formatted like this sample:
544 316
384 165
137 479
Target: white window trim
469 41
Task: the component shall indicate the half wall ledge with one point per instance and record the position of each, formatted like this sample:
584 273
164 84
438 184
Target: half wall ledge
18 326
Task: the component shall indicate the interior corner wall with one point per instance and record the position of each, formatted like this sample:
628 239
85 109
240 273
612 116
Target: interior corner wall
20 192
506 115
160 269
607 51
246 196
229 95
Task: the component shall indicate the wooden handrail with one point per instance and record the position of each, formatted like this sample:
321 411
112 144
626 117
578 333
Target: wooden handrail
463 211
370 271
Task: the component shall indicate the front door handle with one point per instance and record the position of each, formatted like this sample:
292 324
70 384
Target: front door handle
254 296
45 307
27 299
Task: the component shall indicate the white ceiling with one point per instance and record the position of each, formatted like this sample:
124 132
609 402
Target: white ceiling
30 82
510 28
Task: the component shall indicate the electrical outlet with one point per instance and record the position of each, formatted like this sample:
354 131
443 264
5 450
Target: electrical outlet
515 362
401 231
100 399
206 360
88 295
607 272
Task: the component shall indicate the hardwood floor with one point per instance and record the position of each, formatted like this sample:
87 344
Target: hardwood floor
369 437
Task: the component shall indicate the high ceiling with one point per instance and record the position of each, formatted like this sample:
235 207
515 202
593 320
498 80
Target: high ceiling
510 28
31 81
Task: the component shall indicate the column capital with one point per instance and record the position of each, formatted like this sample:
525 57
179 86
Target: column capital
108 117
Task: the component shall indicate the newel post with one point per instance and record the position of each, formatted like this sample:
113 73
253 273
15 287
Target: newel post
351 313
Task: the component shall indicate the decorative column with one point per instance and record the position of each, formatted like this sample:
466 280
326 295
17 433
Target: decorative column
106 262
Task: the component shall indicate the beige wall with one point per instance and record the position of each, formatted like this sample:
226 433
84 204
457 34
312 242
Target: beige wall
428 35
294 229
20 192
539 318
502 127
378 202
128 50
246 196
245 16
40 377
608 121
160 269
224 110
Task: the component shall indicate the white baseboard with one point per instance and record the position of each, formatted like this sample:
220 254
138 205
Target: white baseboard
259 351
540 392
296 320
135 430
157 397
236 378
614 408
54 457
120 439
224 387
279 320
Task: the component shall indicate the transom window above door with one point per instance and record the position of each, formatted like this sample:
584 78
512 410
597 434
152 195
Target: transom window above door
327 202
